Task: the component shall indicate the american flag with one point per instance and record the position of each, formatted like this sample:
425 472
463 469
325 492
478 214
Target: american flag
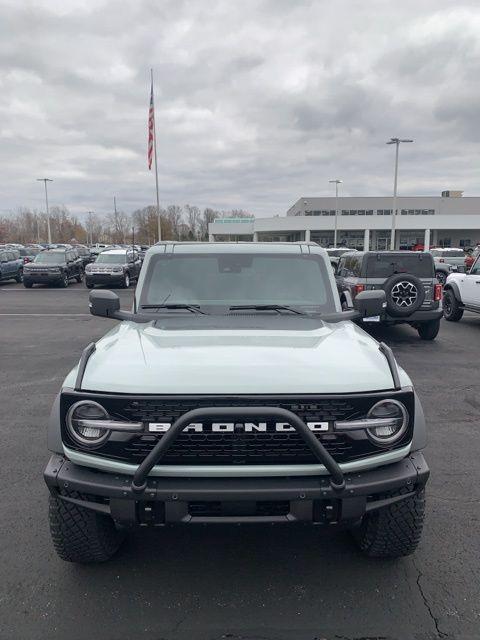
151 125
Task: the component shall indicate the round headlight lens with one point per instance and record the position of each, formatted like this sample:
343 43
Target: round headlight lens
78 416
394 417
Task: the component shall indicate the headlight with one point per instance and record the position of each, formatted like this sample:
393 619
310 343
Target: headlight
392 421
88 267
81 419
117 270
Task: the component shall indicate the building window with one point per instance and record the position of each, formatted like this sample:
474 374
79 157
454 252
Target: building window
361 212
369 212
353 212
431 212
345 212
465 243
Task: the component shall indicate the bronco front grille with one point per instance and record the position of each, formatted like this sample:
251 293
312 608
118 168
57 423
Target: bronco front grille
236 448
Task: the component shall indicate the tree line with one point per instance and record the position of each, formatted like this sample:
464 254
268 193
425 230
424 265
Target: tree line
177 223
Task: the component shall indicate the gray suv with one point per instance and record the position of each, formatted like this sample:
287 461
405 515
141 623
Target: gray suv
413 295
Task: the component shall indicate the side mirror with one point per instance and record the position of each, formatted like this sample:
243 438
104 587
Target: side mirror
106 304
370 303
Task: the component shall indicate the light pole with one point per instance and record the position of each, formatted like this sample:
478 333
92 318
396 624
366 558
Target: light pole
45 180
336 182
396 142
90 213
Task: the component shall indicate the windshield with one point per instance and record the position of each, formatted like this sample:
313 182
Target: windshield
385 265
239 279
111 258
50 258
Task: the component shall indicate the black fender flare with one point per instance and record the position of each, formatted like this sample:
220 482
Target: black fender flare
54 430
453 286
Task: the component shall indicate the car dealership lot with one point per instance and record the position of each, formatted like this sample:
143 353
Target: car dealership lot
259 582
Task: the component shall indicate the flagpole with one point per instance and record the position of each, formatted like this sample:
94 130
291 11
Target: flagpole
156 167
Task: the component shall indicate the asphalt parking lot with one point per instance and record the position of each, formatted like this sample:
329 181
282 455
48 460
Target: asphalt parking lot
234 582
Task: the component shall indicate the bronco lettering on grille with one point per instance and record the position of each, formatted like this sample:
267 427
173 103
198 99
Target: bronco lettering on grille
235 427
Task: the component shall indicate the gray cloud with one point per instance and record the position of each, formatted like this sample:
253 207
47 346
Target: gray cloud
258 103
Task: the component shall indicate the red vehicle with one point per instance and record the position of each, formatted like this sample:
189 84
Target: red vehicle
471 257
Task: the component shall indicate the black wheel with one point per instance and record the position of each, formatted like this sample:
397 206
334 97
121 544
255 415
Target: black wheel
126 281
451 309
19 276
89 285
27 285
405 294
429 330
81 535
64 281
79 278
394 531
441 276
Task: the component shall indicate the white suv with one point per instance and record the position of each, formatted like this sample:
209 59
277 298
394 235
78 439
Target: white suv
462 293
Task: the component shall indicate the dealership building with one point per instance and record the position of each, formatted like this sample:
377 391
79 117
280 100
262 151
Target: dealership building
449 220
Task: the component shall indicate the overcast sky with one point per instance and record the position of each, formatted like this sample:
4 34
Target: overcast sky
258 102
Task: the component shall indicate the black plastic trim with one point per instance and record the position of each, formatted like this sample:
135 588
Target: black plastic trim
82 365
388 353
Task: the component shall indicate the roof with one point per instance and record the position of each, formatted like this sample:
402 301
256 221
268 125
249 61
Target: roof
236 247
118 252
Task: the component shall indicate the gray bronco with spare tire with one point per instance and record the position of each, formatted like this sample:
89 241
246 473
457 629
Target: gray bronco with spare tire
413 294
219 398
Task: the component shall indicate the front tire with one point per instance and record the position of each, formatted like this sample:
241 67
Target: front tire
64 281
394 531
19 277
126 281
89 285
79 278
27 285
81 535
451 309
429 330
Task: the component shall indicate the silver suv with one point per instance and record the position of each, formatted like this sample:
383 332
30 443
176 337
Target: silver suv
220 399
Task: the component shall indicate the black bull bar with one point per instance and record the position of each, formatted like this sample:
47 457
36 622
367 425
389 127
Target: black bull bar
139 482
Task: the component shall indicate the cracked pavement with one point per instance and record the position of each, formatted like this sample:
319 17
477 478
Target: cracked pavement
235 583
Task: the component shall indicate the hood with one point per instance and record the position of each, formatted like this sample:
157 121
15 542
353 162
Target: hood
144 359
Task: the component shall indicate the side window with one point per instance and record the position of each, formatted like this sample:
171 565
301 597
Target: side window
475 270
347 269
340 265
3 257
10 256
356 267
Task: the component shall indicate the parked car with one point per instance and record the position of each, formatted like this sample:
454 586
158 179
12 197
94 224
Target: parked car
162 421
462 293
53 266
471 256
115 267
11 266
413 295
84 254
447 260
28 254
334 254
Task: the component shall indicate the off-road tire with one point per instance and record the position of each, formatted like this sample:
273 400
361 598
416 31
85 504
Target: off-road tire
441 276
392 308
19 276
429 330
451 309
126 281
89 285
27 285
394 531
81 535
64 282
79 278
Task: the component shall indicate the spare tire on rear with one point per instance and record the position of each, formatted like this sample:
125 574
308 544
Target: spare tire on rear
405 294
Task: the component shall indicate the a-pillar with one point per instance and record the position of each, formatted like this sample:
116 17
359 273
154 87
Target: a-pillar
366 240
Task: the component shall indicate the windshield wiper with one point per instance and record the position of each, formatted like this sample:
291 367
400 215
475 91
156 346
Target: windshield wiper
194 308
267 307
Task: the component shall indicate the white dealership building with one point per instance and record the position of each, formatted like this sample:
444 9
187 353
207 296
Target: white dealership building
449 220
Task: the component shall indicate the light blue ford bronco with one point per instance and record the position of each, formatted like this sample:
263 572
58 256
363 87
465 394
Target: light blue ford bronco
236 390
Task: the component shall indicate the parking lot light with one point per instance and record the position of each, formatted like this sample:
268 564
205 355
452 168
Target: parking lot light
337 182
45 180
395 141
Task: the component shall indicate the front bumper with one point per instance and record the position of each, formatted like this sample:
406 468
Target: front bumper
104 278
42 278
225 500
